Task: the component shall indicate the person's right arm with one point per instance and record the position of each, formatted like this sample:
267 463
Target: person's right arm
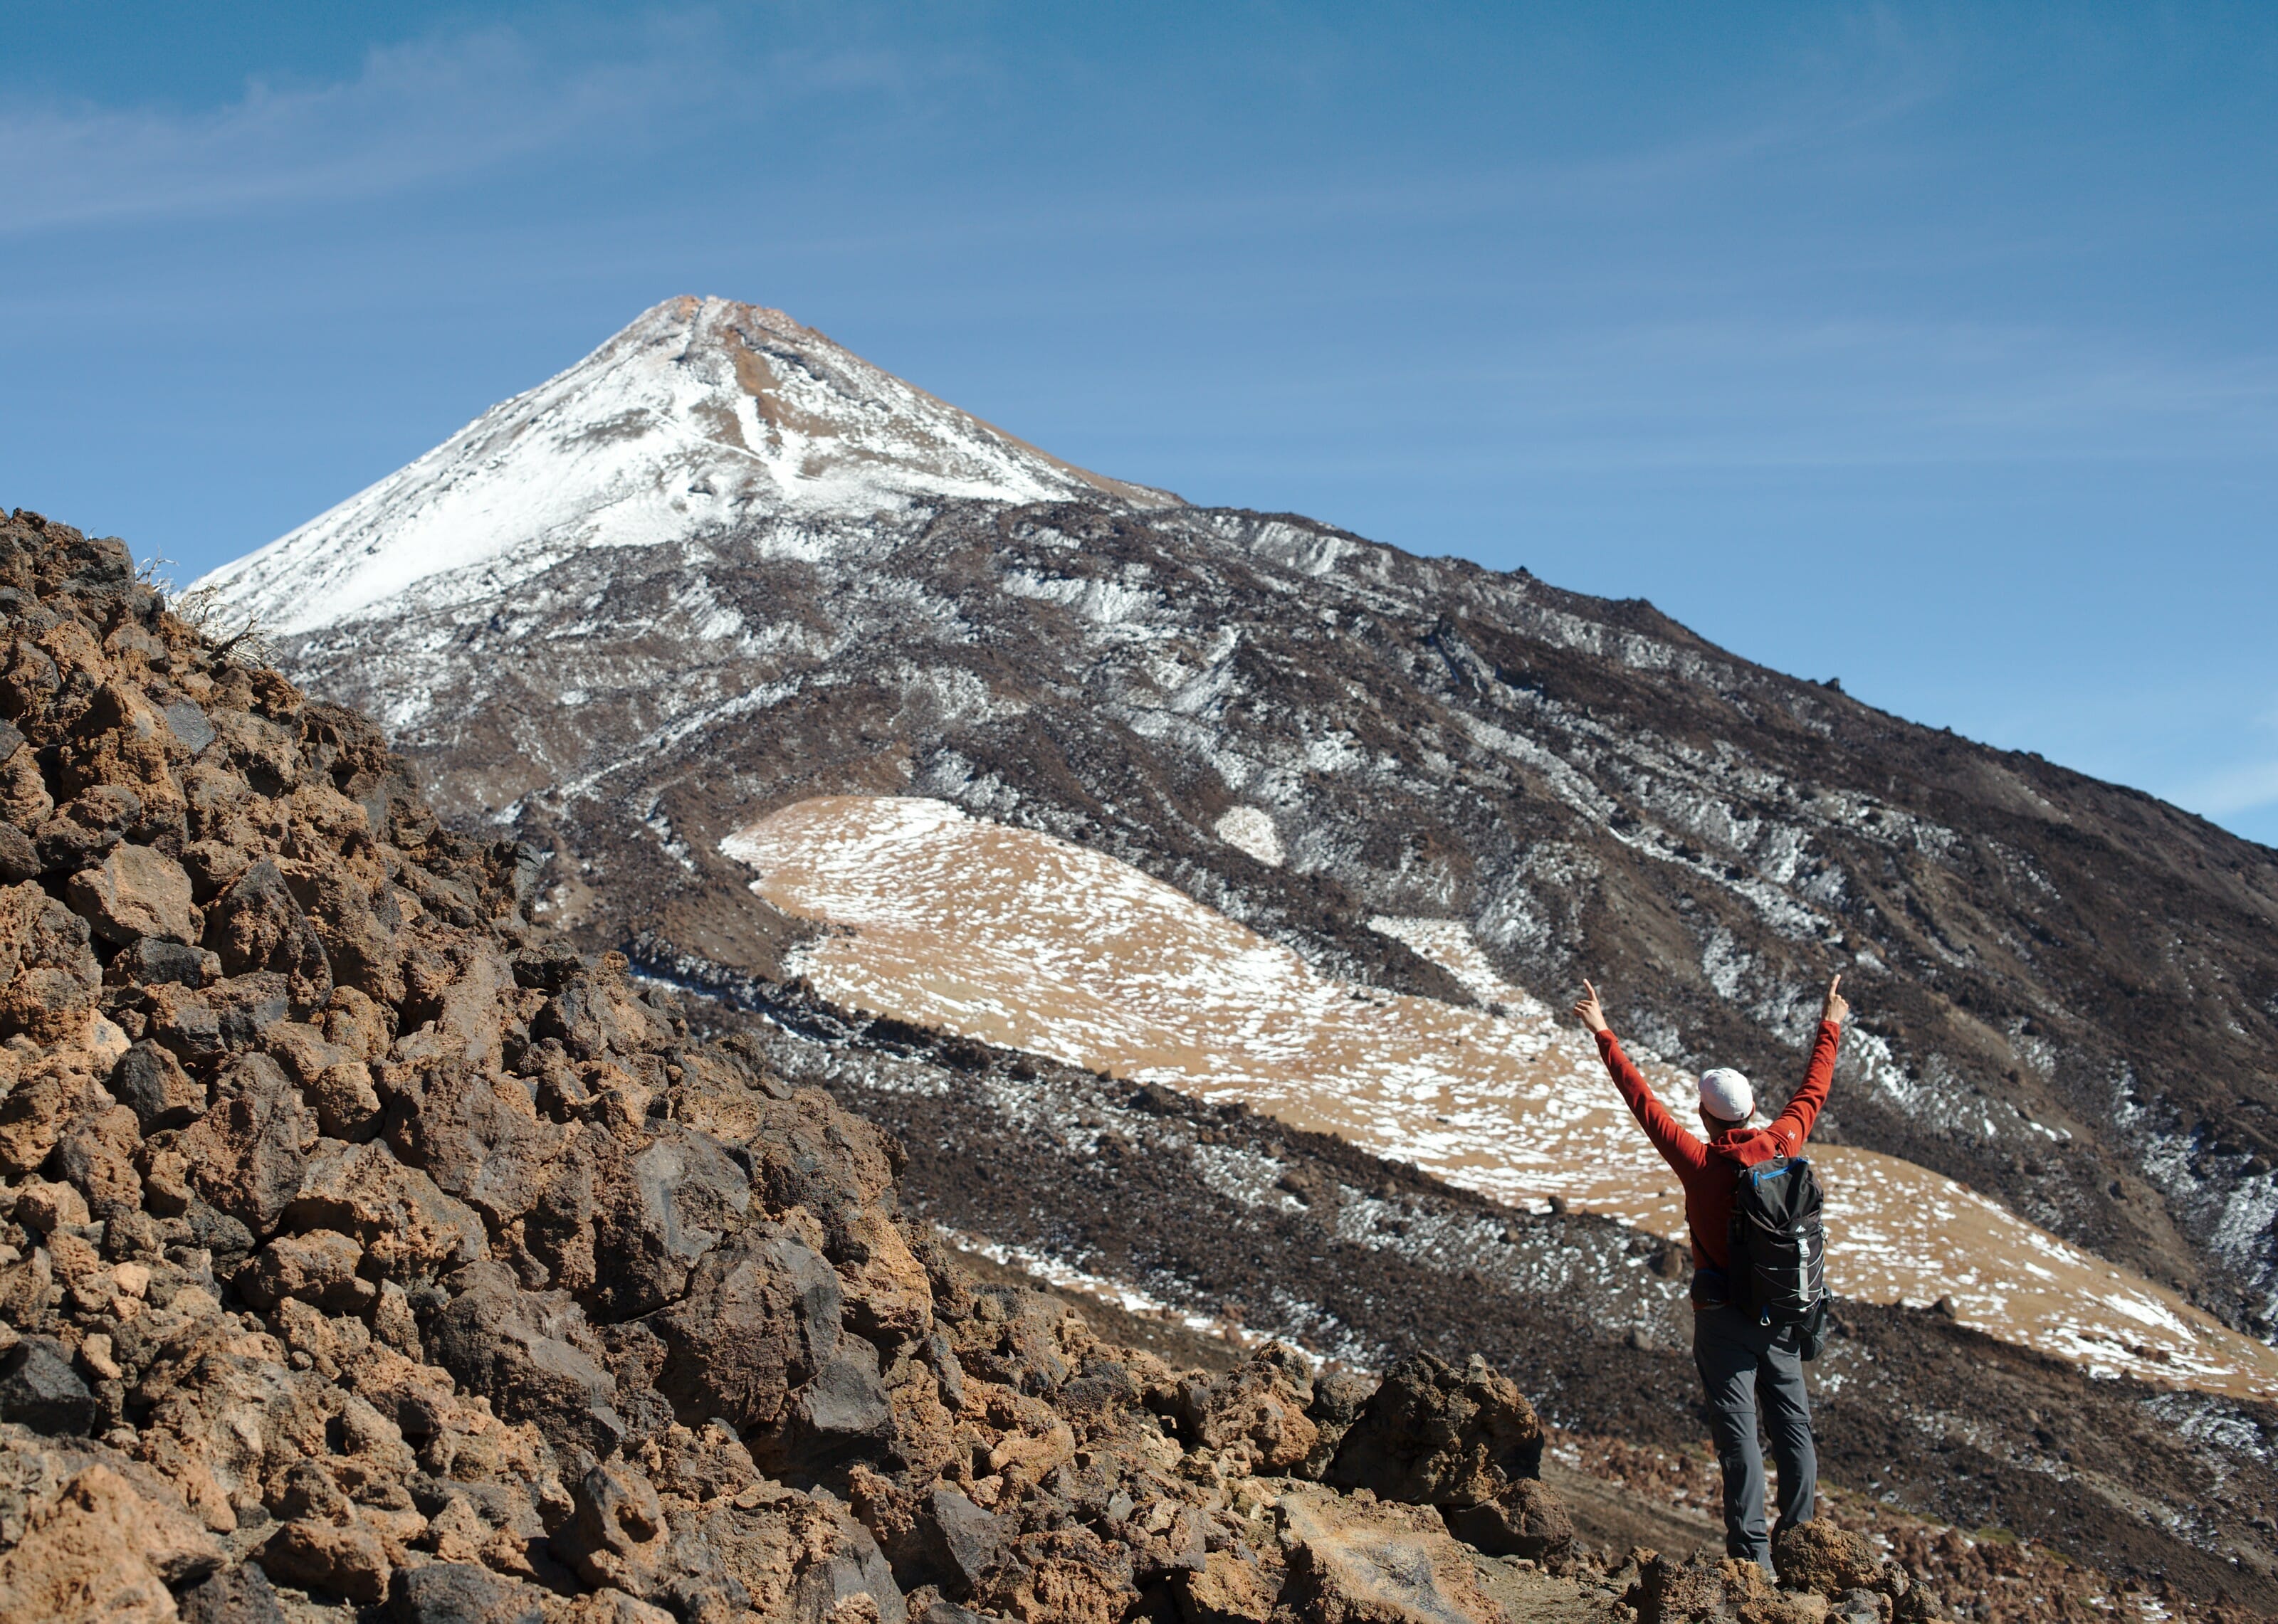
1680 1150
1794 1124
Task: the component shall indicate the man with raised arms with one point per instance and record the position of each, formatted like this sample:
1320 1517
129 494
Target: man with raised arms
1740 1359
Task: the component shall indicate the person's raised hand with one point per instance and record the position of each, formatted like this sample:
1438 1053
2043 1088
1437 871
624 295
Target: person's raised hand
1589 1011
1837 1008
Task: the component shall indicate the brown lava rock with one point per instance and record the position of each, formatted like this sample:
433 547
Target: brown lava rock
1465 1441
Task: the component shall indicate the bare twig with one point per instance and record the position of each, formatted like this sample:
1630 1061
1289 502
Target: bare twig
155 573
245 641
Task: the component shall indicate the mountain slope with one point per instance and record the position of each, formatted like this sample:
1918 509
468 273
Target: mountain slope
2068 992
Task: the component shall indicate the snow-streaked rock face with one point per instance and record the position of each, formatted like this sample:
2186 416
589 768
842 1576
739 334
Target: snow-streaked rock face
1031 943
702 415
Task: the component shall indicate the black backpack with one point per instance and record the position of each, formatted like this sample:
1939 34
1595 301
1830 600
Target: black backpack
1779 1248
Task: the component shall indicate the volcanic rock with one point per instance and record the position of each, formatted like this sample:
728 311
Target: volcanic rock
1699 1591
151 1083
239 1595
49 979
40 1389
966 1538
1257 1415
1437 1436
761 1320
1354 1562
97 1537
1819 1556
136 893
464 1593
1525 1520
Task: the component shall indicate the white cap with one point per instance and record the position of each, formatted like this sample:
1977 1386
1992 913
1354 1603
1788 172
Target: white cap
1725 1095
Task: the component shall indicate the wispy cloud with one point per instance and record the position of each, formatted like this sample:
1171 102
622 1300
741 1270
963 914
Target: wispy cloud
455 107
2233 790
2245 785
416 113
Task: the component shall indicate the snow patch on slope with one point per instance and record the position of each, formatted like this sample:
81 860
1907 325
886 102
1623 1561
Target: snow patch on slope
1249 831
1449 944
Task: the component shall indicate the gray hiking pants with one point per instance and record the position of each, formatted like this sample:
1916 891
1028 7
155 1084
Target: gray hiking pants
1742 1365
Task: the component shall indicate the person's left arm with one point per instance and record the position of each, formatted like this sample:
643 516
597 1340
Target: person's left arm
1680 1150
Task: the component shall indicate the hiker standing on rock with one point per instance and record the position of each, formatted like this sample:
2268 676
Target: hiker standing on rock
1756 1318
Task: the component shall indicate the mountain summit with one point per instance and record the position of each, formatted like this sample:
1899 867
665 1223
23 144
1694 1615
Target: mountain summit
702 415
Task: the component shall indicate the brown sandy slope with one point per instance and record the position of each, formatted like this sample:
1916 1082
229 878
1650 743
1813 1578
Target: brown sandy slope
1016 938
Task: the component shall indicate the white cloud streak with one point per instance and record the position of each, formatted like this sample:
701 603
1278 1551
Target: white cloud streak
2233 790
416 114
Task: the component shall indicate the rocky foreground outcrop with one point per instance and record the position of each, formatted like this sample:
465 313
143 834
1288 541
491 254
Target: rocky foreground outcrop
361 1251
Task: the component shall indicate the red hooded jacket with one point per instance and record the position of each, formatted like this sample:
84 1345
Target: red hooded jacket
1708 1170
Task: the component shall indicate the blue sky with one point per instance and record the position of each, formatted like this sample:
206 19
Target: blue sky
1929 348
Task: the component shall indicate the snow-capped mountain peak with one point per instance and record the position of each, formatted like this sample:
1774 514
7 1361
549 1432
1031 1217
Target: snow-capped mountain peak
703 415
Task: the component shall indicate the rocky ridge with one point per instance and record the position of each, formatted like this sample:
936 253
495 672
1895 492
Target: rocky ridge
371 1253
2069 991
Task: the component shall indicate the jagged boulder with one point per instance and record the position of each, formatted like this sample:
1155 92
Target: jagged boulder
151 1083
19 858
319 1267
49 976
1339 1397
1466 1441
1351 1560
1702 1590
464 1593
962 1540
1525 1520
1433 1435
239 1595
758 1549
622 1219
101 1538
1257 1413
135 894
531 1354
256 924
409 1230
246 1155
1231 1587
1820 1557
40 1389
759 1319
1065 1575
